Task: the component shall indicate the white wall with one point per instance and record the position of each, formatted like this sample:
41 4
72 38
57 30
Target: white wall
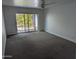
61 20
3 36
10 23
10 17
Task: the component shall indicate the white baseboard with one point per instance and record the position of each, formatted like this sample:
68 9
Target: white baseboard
63 37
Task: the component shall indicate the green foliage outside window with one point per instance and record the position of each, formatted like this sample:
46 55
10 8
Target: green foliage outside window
24 20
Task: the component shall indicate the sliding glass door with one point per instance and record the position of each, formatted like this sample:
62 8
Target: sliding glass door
26 22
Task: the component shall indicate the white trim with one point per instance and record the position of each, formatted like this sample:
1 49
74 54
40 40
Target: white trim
63 37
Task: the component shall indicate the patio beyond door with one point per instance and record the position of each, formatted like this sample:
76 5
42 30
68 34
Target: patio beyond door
26 22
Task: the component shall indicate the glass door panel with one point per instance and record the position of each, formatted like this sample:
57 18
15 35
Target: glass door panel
26 22
31 22
20 22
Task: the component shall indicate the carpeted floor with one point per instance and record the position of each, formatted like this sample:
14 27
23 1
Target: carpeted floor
39 45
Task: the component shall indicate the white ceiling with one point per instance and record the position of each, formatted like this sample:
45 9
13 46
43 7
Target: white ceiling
22 3
31 3
58 1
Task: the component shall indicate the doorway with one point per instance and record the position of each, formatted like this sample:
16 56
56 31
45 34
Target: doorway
26 22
